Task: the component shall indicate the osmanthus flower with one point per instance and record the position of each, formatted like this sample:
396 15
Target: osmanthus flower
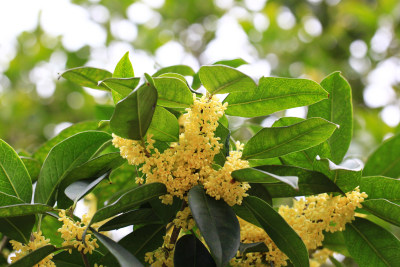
163 256
189 161
309 217
35 243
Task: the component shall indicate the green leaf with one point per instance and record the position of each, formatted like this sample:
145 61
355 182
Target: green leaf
65 259
23 209
220 79
18 228
224 134
252 247
335 241
120 87
381 187
180 69
175 75
274 94
310 182
261 192
383 209
130 200
33 167
134 217
63 158
384 160
132 115
173 93
253 175
124 258
338 108
346 179
89 171
34 257
217 223
164 126
371 245
124 68
79 189
87 77
166 212
286 239
15 182
190 252
42 151
279 141
234 63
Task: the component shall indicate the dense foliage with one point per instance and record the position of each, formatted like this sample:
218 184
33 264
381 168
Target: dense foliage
194 194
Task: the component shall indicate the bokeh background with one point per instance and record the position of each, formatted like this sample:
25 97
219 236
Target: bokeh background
310 39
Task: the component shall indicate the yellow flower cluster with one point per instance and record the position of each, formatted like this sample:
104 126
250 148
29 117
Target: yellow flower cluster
309 217
72 233
320 256
189 162
163 256
184 219
37 242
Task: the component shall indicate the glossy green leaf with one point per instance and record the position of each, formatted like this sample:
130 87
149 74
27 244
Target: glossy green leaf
384 160
338 108
120 87
42 151
383 209
274 94
32 166
190 252
79 189
124 68
180 69
134 217
63 158
381 187
253 175
129 200
90 170
173 93
132 115
18 228
217 223
23 209
279 141
346 179
252 247
164 126
166 212
234 63
371 245
261 192
310 182
34 257
286 239
124 257
220 79
15 182
175 75
224 134
87 77
65 259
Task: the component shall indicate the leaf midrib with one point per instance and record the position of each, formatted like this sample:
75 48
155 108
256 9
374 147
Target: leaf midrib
9 180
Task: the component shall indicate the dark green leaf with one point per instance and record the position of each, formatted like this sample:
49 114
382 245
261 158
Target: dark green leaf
286 239
337 109
65 259
33 167
253 175
279 141
166 212
34 257
23 209
15 182
87 77
220 79
217 223
18 228
260 191
164 126
42 151
381 187
124 68
130 200
180 69
63 158
134 217
252 247
124 258
234 63
224 134
243 212
132 115
384 160
371 245
173 93
190 252
274 94
346 179
383 209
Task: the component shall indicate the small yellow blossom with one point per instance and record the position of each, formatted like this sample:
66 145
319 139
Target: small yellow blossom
163 256
184 219
37 242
